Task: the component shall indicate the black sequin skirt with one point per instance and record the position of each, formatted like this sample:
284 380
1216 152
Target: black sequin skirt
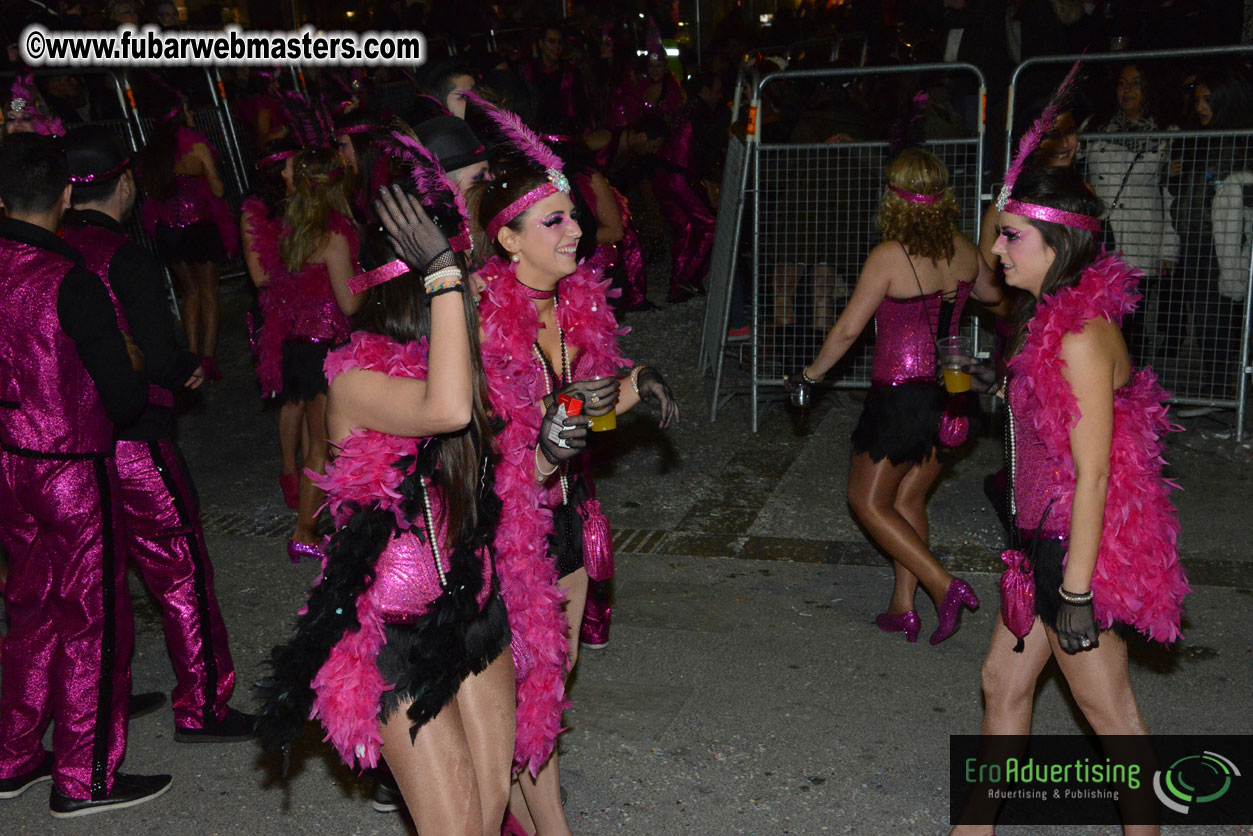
303 375
194 244
1048 556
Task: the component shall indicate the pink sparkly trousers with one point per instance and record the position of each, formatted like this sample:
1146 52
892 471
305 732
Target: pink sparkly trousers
164 540
691 222
67 655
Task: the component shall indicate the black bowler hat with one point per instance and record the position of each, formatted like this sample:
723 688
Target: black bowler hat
452 140
94 155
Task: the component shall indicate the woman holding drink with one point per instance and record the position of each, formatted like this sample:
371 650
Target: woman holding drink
552 362
914 284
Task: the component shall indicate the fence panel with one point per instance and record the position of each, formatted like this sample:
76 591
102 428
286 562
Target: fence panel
814 225
1178 206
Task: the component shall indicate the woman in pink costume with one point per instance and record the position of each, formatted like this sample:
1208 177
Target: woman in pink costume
685 206
194 228
315 255
1090 501
260 220
547 329
914 284
400 651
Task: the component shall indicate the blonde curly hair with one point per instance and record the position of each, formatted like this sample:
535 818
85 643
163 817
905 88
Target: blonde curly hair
926 230
319 183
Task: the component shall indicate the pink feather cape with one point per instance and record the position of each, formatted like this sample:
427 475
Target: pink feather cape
348 686
1138 579
528 577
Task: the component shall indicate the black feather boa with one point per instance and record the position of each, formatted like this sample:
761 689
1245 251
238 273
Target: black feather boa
427 661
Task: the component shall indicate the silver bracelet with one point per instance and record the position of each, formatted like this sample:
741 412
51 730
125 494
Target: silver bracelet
1075 598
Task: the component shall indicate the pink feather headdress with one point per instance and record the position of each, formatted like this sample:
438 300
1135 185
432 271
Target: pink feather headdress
24 98
517 137
1029 142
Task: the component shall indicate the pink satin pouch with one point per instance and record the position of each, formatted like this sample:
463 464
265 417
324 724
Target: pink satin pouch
1017 594
597 542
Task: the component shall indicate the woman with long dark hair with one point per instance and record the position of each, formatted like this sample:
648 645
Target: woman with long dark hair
400 652
194 228
548 331
1091 505
915 285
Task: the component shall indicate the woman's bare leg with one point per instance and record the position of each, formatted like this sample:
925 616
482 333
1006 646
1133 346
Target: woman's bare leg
436 773
872 494
487 708
291 419
191 303
1101 685
824 297
574 586
1009 681
206 278
311 496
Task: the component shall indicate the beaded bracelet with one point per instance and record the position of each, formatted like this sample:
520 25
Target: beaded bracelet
635 378
539 467
436 279
458 287
1075 598
805 377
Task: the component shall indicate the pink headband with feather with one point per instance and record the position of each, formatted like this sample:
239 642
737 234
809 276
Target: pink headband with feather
432 183
1029 142
529 144
915 197
22 99
275 158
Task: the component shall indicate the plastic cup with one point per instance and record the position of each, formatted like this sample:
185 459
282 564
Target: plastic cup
601 423
954 353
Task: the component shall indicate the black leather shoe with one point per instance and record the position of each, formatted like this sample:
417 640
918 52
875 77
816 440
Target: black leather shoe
146 703
386 797
18 784
235 728
128 791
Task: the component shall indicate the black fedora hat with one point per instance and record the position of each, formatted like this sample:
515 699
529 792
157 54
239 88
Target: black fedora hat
452 140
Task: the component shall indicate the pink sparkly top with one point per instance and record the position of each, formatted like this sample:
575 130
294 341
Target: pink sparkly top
1038 476
307 299
905 329
192 200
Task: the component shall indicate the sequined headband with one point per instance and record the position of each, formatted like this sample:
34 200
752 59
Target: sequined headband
276 158
915 197
1055 216
377 276
557 182
355 129
102 175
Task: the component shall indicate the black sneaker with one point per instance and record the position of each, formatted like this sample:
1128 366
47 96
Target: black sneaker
128 791
386 797
146 703
234 728
18 784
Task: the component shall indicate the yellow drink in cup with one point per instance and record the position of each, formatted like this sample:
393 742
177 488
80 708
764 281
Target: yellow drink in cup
956 380
608 421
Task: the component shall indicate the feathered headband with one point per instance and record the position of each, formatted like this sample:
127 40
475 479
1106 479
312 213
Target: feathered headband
24 99
1029 142
435 191
521 139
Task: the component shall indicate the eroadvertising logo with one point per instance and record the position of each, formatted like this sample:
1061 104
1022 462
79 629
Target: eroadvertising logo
1194 779
1085 780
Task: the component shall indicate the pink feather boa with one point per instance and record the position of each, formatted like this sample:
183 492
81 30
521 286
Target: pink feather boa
1138 579
263 232
528 576
348 686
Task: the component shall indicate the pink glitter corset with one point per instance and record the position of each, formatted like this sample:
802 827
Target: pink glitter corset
905 329
1038 477
312 311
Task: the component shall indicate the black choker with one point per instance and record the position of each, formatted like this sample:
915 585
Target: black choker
532 293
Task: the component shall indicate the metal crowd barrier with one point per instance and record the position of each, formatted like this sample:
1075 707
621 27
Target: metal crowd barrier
814 208
1178 206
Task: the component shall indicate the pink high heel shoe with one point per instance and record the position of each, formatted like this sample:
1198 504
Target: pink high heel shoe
512 827
211 370
594 634
297 551
907 622
959 595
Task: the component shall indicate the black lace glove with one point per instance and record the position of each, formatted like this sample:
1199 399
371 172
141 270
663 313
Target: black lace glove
420 243
982 378
599 395
560 441
652 386
1076 627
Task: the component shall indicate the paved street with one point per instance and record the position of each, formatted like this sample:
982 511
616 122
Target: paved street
745 689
